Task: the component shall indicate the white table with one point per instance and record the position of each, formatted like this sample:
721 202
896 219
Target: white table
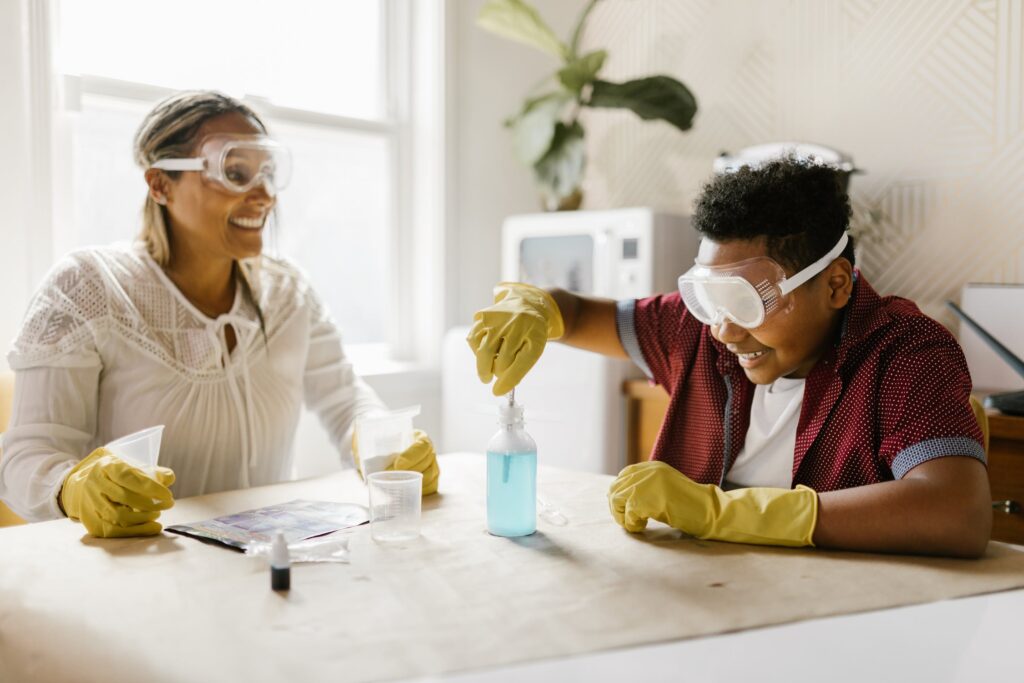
965 640
171 608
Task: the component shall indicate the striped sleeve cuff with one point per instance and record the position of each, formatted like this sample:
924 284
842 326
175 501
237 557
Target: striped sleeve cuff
625 324
911 457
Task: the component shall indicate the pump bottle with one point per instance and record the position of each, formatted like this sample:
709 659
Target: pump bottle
511 475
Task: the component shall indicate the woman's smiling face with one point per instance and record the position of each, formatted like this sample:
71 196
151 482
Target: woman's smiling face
211 219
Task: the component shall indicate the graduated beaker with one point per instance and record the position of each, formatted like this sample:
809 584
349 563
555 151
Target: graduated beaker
395 505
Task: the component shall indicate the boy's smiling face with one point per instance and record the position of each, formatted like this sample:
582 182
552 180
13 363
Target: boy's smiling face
790 343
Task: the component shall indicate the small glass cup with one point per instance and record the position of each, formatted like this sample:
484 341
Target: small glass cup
395 505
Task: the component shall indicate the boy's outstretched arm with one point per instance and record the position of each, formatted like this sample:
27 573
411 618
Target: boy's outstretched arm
589 323
941 507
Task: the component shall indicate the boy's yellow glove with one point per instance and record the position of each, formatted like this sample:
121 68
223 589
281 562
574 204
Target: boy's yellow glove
112 498
419 457
508 337
766 516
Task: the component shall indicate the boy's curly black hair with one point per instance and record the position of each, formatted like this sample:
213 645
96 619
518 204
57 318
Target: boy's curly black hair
800 208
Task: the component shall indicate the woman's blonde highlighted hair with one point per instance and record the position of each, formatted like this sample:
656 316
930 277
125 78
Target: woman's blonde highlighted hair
169 131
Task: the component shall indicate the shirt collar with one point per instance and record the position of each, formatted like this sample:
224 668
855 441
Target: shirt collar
863 315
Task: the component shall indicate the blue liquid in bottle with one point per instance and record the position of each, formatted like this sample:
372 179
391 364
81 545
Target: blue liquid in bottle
511 493
511 476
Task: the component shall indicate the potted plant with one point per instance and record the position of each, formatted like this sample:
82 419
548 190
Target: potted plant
547 133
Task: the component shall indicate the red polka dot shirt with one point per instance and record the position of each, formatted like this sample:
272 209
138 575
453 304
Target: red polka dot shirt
891 394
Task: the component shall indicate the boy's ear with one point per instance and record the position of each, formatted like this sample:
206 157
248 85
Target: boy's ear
840 282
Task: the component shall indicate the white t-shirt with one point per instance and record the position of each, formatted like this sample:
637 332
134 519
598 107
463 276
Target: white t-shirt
767 455
110 346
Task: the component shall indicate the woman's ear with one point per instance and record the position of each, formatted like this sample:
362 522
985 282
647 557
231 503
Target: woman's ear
840 282
159 185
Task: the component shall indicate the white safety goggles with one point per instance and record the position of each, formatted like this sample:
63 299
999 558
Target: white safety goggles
747 292
238 163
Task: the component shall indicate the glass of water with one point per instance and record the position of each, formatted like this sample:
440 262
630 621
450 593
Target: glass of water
395 505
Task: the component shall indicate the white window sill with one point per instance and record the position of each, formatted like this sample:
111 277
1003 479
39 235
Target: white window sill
374 360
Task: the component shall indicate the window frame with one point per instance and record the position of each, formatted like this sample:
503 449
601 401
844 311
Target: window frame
414 124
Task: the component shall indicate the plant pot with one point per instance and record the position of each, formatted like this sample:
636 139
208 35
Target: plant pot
572 202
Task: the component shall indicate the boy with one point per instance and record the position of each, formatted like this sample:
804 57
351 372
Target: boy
805 409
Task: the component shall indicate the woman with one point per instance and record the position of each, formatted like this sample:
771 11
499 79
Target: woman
192 327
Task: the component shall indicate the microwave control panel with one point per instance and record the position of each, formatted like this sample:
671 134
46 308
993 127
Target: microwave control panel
631 283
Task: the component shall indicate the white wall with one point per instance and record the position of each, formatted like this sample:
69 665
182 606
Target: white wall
926 95
492 77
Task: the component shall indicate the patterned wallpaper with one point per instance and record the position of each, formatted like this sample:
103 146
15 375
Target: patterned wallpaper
926 95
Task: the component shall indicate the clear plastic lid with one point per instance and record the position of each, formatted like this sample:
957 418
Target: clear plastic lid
141 448
382 436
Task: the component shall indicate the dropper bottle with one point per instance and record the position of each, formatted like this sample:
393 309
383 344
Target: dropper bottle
511 474
280 563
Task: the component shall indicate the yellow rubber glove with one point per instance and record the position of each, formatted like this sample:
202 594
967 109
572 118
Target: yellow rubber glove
766 516
509 336
419 457
112 498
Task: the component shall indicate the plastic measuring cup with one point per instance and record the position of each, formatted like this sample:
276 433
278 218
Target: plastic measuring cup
382 436
395 505
141 448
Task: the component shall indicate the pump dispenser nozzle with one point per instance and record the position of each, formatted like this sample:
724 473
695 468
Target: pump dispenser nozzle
510 413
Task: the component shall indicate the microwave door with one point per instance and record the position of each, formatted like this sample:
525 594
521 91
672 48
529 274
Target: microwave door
565 261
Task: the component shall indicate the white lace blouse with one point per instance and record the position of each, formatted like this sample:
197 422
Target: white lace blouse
110 346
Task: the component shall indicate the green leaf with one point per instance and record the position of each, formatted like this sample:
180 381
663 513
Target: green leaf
577 33
534 128
516 20
655 97
581 71
560 171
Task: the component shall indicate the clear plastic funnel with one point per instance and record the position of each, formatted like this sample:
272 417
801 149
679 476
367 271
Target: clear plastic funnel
382 437
141 448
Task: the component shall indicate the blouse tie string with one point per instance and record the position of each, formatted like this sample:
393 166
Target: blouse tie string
242 397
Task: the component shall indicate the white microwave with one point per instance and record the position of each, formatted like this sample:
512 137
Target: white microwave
617 253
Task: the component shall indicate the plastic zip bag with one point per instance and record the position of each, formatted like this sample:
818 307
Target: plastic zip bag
329 548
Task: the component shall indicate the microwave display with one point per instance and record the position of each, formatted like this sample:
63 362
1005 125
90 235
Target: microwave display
565 261
630 248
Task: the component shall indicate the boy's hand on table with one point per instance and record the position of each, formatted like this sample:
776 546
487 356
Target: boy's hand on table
767 516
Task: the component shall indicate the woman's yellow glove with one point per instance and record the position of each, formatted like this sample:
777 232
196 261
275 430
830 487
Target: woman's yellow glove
508 337
419 457
112 498
765 516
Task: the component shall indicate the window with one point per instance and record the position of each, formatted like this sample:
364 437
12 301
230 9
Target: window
327 77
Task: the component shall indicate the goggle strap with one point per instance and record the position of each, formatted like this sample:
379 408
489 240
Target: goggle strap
193 164
791 283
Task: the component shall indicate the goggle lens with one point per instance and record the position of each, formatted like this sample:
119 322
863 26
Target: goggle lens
245 167
713 300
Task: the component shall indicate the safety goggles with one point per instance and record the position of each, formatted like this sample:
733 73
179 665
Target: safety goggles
747 292
238 163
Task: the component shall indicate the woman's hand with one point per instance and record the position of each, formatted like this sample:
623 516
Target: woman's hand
112 498
419 457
